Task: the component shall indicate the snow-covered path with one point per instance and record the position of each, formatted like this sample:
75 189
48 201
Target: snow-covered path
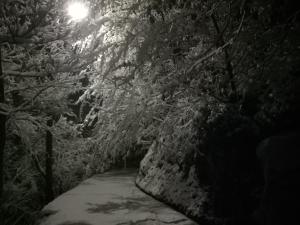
110 199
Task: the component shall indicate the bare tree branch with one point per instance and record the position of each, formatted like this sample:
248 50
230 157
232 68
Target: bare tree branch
23 74
218 50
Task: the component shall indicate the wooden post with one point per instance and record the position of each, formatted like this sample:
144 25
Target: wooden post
125 162
2 131
49 163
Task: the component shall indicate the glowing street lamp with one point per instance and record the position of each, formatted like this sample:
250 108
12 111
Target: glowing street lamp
77 11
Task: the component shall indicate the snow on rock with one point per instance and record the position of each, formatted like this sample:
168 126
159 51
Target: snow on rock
170 184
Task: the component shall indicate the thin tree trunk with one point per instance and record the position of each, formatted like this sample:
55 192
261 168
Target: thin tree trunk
49 163
228 63
2 131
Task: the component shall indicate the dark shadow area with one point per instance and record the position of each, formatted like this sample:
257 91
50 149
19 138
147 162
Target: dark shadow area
146 221
75 223
146 203
86 183
126 173
110 207
253 181
46 213
139 199
117 175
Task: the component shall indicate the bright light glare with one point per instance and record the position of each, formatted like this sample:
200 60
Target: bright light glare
77 11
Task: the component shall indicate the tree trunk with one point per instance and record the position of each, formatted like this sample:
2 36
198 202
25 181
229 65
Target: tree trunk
228 63
49 163
2 131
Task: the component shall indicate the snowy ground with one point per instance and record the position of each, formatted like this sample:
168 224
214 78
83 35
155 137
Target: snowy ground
110 199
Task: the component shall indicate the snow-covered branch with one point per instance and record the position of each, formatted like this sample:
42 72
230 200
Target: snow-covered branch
23 74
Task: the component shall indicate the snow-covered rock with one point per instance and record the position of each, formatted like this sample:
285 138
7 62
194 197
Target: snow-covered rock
169 183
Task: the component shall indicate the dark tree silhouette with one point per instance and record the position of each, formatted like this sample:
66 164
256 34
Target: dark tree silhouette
2 130
49 163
